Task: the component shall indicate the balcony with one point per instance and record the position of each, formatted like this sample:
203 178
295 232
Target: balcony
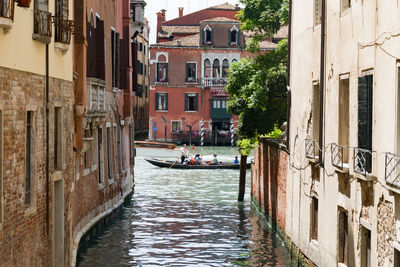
362 161
96 105
340 157
312 150
42 26
392 169
63 30
214 82
6 13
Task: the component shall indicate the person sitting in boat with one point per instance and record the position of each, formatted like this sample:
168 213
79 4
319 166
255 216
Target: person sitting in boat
184 151
215 160
198 160
192 161
236 161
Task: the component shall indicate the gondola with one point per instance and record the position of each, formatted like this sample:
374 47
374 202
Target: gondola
178 165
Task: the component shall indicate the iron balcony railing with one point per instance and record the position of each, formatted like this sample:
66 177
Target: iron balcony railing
214 82
311 148
392 169
362 161
339 155
63 30
7 9
42 24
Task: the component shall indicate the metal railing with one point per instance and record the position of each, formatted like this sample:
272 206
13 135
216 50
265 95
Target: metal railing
7 9
392 169
362 161
42 23
214 81
311 148
339 155
63 30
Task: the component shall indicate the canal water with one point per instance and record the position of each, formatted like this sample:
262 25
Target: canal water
187 218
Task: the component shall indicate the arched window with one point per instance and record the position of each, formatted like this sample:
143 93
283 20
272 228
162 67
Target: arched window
234 61
162 69
207 68
225 67
207 35
234 36
216 69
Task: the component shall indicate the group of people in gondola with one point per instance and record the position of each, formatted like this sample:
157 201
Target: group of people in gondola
197 160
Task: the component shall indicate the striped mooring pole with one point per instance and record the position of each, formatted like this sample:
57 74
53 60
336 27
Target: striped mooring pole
201 133
232 134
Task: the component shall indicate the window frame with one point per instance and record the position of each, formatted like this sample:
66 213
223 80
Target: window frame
187 72
165 80
157 97
172 125
188 96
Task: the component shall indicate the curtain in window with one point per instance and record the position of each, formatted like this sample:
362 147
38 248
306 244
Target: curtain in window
207 68
216 69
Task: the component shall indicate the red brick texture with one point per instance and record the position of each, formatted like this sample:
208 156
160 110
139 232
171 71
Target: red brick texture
268 182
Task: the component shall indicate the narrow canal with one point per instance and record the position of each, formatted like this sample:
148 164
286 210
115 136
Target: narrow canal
187 218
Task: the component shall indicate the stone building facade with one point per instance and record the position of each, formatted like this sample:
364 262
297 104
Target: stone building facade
343 183
188 75
36 137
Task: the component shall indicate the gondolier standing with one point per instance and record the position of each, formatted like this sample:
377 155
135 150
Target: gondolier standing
184 151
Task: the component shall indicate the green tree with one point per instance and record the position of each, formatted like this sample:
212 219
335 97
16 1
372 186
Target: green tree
257 86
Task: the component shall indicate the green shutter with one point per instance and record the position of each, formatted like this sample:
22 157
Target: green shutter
186 102
187 71
157 95
365 112
196 102
229 37
212 37
166 101
167 71
203 41
157 78
238 38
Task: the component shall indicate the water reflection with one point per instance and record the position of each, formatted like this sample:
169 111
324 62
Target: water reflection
186 218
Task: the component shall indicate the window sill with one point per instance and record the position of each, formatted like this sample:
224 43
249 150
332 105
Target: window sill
161 83
86 172
344 169
6 23
41 38
314 244
61 47
161 110
367 177
110 181
313 160
345 12
102 186
191 111
57 175
30 210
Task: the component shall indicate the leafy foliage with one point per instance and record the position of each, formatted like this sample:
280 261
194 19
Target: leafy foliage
246 145
257 86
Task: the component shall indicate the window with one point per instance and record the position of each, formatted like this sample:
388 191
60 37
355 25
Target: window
225 67
115 149
145 70
398 111
344 118
317 12
345 4
122 142
100 154
207 68
207 36
314 219
140 46
191 102
162 101
190 72
139 91
6 9
365 93
176 126
131 142
342 237
63 27
365 247
42 19
109 162
29 158
162 72
144 49
216 69
113 58
139 67
315 112
396 257
234 36
58 161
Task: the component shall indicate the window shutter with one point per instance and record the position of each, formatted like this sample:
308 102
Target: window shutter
167 72
203 41
166 101
157 96
117 61
187 72
100 59
362 112
186 102
229 37
238 38
196 102
212 36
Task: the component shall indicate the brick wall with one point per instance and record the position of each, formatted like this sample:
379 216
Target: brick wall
268 182
25 239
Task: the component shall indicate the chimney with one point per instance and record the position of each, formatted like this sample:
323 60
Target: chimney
180 11
160 19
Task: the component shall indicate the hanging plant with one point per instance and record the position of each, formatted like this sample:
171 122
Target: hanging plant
24 3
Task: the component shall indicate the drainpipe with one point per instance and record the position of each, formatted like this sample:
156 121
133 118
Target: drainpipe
47 143
322 84
289 96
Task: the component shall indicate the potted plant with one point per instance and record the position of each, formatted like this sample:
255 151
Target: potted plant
24 3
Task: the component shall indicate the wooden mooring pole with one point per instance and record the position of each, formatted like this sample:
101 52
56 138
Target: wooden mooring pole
242 177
